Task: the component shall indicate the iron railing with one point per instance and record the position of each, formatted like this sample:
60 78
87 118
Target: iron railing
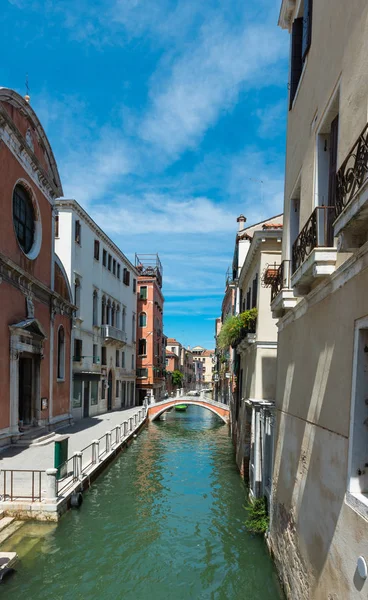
352 173
316 233
282 279
13 483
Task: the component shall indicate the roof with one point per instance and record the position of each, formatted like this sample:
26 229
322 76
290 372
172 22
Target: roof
173 341
208 352
11 97
170 354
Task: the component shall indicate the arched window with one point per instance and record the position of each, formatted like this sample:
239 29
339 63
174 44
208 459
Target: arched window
142 320
113 312
61 354
103 310
23 218
108 312
77 296
95 308
117 316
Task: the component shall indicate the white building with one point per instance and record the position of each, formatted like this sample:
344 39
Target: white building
104 287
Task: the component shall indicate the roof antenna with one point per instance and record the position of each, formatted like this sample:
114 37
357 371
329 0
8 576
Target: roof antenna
27 96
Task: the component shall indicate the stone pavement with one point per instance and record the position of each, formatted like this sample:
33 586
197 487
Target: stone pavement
81 434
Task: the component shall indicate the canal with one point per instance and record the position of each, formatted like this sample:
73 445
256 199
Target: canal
166 520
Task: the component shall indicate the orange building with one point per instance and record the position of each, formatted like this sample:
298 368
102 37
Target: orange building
150 305
35 297
172 364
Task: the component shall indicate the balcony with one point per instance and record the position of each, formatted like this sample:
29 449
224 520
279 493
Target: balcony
282 295
247 336
351 224
313 254
112 335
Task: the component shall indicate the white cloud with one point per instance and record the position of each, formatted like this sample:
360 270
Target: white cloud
157 213
206 79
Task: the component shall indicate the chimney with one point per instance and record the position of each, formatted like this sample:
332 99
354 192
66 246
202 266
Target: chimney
241 220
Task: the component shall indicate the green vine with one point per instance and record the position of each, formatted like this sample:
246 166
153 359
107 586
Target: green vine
258 519
233 326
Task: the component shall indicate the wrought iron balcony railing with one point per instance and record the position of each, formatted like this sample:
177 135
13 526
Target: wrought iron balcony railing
282 279
316 233
352 173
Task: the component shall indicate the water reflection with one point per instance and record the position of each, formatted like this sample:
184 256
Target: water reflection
166 520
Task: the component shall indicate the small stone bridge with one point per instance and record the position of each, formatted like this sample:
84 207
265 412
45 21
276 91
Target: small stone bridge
221 410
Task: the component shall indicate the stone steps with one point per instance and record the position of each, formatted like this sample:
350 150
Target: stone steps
5 522
10 528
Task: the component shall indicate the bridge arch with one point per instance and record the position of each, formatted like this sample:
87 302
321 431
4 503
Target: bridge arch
155 410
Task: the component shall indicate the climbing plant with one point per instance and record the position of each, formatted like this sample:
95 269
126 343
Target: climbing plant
258 519
232 327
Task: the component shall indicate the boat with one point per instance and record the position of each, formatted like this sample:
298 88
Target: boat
181 407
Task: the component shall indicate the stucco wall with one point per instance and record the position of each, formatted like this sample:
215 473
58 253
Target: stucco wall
316 536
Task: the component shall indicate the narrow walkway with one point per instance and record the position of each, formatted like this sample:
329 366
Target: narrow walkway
81 434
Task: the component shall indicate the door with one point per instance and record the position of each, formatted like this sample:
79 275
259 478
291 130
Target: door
85 399
109 392
25 390
123 394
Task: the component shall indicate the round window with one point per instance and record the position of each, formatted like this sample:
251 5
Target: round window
23 218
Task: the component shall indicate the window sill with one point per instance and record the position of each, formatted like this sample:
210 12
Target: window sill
358 502
60 380
143 355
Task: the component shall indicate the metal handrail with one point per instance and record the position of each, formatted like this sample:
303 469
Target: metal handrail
353 172
316 233
282 280
35 497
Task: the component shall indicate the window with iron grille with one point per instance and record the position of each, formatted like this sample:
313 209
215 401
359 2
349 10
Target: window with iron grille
77 350
97 250
78 232
126 277
23 218
142 346
103 356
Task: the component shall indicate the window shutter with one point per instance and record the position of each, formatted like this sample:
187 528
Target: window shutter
333 162
296 58
307 28
332 177
254 291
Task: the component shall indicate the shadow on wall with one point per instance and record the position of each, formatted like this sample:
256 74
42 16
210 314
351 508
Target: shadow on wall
309 488
268 373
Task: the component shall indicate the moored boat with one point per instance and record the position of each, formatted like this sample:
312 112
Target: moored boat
181 407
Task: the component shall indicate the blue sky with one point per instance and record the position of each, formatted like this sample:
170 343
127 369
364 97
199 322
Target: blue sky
163 117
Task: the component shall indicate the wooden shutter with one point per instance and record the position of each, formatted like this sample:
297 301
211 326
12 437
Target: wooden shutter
333 162
307 28
254 291
334 133
296 65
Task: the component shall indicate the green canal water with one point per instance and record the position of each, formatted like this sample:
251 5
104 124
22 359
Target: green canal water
165 521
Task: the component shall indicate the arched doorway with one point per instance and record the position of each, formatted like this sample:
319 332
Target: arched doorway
109 392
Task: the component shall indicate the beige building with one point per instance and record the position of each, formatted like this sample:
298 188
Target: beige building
255 363
207 358
319 520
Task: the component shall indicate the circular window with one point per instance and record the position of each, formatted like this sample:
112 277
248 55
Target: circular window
23 218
